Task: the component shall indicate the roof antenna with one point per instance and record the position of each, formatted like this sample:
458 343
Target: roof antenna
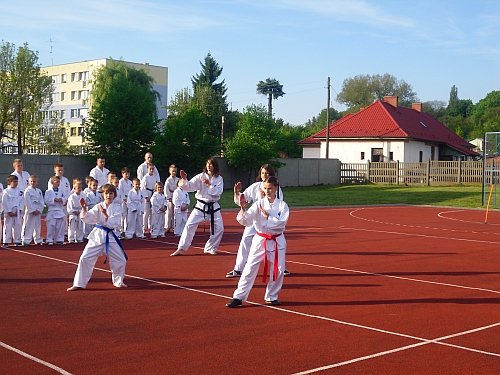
51 47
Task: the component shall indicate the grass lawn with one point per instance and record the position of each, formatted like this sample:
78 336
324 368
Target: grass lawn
340 195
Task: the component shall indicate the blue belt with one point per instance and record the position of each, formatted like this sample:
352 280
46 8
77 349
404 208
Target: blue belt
108 231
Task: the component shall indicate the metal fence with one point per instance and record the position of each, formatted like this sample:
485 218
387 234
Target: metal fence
430 173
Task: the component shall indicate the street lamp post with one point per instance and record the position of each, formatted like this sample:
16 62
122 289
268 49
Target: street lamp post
19 130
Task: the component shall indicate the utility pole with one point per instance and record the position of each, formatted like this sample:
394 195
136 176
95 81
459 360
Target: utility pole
328 120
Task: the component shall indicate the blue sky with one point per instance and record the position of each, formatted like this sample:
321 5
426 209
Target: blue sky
430 44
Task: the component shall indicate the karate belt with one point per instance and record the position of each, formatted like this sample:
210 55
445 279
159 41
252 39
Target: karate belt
271 237
108 231
208 208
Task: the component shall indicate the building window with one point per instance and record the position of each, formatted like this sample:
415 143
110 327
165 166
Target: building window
73 95
55 97
420 156
63 113
72 131
80 130
74 113
74 76
63 78
63 96
55 79
83 76
377 154
391 156
362 155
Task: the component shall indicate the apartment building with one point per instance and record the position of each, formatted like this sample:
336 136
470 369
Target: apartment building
72 95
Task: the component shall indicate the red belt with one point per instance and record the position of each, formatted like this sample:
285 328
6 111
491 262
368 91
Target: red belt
266 265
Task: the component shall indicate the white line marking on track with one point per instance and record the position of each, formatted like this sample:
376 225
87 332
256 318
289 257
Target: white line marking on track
395 277
379 354
441 215
35 359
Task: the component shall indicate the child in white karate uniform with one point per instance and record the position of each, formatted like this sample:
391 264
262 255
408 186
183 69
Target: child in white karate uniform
124 185
148 187
34 202
170 186
181 202
105 217
75 227
251 194
269 216
135 207
56 212
158 208
209 186
13 205
92 197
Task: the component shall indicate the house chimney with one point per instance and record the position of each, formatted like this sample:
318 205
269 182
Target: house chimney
416 106
392 100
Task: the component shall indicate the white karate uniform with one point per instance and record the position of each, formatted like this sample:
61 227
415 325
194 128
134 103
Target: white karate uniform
180 199
252 194
13 202
22 179
148 183
124 186
92 198
135 206
34 202
56 215
158 207
75 227
168 190
261 247
66 189
206 196
101 175
142 170
96 246
22 184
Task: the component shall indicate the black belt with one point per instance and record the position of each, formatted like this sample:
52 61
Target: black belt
208 208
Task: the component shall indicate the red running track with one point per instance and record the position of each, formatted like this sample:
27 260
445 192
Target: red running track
373 290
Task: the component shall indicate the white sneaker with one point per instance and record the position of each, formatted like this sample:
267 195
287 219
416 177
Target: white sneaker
211 252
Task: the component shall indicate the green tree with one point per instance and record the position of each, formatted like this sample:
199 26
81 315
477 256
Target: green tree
287 138
272 89
456 106
363 90
318 123
485 115
210 73
254 142
24 91
209 95
185 142
122 122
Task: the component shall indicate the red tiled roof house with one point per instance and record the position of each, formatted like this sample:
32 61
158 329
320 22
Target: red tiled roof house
384 131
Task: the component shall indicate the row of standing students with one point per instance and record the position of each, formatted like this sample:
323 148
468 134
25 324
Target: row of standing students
264 223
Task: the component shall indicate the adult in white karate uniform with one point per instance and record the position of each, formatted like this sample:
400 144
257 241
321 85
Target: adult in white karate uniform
209 186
